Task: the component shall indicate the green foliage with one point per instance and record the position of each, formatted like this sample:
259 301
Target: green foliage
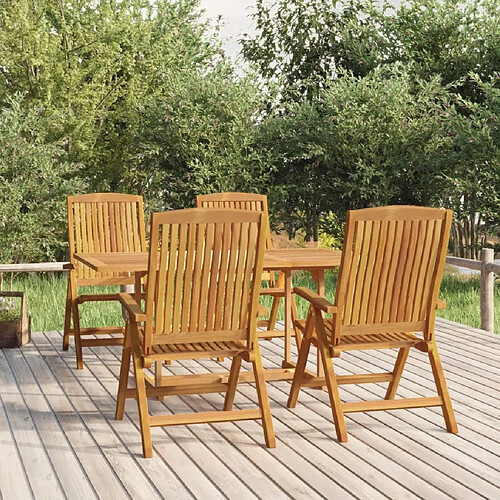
365 141
90 64
303 43
451 39
381 104
472 170
198 137
35 179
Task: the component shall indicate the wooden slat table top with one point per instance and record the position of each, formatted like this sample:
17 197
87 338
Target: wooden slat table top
58 437
274 259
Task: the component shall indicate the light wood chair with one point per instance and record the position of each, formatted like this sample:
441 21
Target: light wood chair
256 203
100 222
389 278
201 303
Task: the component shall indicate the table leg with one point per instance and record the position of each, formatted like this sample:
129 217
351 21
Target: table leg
319 277
138 286
288 319
126 289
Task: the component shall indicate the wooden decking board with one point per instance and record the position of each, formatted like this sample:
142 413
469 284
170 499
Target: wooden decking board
471 400
128 430
487 424
436 415
44 401
111 474
397 438
36 462
295 439
74 484
290 458
12 473
208 463
449 450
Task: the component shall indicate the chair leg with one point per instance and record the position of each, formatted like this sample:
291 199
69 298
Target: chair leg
300 369
397 372
158 377
232 383
331 381
142 405
67 318
273 314
260 382
124 371
442 388
78 339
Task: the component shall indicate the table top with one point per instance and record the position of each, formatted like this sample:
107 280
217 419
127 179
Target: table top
274 260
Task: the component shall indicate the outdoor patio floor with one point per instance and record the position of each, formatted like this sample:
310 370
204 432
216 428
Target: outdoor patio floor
59 439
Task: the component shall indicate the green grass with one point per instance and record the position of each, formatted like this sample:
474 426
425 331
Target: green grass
46 298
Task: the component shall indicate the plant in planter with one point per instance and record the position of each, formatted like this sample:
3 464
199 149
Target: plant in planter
15 324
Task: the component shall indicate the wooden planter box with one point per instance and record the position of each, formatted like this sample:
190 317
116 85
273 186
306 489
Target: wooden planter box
18 332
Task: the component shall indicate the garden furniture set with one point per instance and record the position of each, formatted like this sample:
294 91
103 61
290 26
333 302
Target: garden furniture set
197 293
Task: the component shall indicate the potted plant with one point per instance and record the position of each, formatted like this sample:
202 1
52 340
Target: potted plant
15 324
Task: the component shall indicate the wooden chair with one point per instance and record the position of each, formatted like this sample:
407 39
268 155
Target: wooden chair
101 222
389 279
257 203
201 303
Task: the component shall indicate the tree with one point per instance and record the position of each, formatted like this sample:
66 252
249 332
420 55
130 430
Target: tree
303 43
35 179
88 65
472 171
199 137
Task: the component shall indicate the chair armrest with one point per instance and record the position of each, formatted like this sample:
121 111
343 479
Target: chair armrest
441 304
315 299
132 307
275 292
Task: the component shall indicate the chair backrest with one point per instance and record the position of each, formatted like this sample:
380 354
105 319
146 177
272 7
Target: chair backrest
391 269
209 264
104 222
237 201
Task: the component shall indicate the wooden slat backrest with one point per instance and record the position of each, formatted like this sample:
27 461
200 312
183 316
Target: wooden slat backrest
237 201
207 261
391 269
104 222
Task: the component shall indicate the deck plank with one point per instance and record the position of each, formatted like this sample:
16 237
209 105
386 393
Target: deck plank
59 439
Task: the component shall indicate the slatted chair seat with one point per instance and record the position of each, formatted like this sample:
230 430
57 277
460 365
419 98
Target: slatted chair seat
202 297
198 350
392 340
391 269
100 222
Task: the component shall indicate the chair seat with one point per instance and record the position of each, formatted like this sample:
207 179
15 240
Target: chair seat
368 341
192 350
200 349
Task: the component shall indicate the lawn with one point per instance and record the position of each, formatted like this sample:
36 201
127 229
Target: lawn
46 299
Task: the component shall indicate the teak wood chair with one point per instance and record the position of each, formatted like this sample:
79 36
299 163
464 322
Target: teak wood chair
257 203
389 278
100 222
200 303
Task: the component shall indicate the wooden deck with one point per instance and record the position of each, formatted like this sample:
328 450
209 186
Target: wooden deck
58 438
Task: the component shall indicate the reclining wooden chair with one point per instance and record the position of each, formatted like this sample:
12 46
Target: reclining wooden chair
389 279
201 303
101 222
257 203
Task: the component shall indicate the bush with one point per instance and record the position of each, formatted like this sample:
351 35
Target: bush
35 179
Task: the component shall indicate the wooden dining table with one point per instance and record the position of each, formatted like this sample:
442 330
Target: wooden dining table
286 260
